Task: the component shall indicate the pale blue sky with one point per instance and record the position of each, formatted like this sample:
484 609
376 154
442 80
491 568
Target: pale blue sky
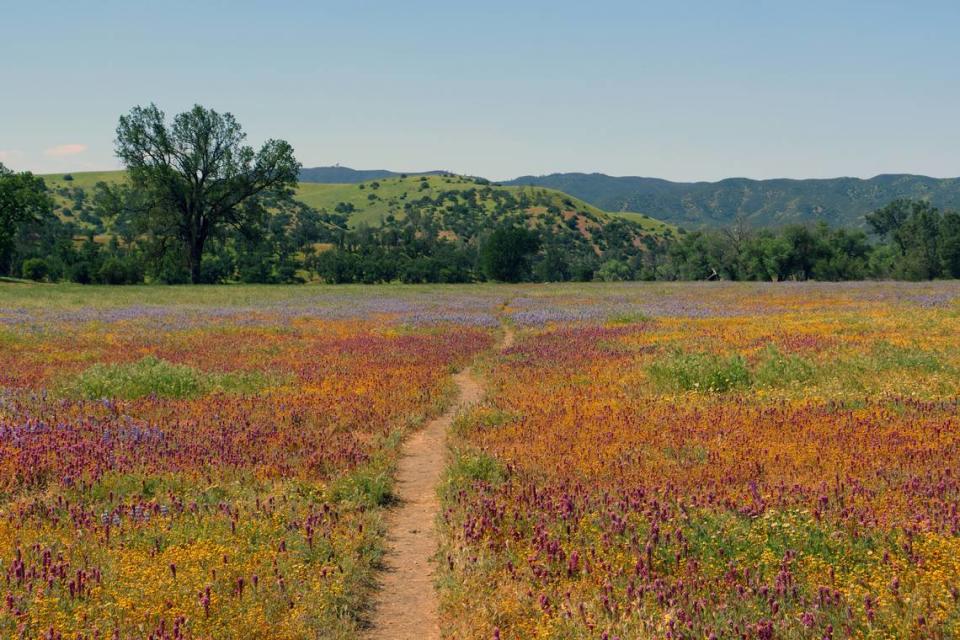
679 90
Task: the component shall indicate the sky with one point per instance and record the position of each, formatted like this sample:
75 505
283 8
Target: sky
682 90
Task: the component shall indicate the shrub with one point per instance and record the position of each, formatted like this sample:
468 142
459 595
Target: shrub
113 271
81 273
35 269
614 271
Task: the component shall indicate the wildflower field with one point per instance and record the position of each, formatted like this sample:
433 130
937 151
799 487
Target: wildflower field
203 468
650 461
712 461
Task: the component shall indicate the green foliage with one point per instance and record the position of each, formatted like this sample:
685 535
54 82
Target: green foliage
153 376
197 176
712 373
116 270
629 318
505 255
839 202
470 467
35 269
614 271
370 486
23 201
889 357
776 369
700 372
432 229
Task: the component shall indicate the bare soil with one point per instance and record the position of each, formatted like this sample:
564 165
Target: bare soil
406 605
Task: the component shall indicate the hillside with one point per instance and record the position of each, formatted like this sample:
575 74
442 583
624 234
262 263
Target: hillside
371 202
763 203
454 206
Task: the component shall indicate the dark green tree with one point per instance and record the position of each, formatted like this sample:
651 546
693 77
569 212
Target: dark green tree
198 174
23 200
505 254
887 220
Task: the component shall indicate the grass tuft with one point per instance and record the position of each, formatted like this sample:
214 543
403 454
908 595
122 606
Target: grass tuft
157 377
713 373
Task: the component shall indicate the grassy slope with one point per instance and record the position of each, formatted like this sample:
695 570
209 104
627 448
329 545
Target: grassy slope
390 195
393 192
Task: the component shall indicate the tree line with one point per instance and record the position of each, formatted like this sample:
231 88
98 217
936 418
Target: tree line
200 206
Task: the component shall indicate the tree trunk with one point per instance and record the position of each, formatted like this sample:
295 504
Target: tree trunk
195 260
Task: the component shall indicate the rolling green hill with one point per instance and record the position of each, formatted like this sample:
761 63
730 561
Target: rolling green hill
763 203
370 202
456 206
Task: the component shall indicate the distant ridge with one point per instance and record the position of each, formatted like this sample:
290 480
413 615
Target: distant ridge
346 175
762 203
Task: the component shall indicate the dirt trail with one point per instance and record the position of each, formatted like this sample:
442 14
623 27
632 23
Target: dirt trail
406 605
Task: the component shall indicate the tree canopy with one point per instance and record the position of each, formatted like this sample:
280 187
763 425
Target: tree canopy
198 175
23 199
506 253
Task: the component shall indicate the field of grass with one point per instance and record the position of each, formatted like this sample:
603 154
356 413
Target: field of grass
688 460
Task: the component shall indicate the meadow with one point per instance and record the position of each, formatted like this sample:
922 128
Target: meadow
695 460
731 461
175 466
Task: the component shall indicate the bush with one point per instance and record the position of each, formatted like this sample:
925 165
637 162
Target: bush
113 271
35 269
614 271
81 273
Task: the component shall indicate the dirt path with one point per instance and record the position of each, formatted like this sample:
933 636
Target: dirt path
406 605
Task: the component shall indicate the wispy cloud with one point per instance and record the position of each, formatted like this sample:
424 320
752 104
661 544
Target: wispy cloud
63 150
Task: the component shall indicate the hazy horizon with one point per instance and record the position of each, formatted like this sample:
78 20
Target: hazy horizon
701 92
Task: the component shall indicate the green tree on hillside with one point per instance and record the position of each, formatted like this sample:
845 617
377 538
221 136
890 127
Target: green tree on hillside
198 174
506 253
23 200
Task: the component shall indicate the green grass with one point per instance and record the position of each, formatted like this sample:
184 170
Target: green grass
777 369
153 376
83 179
467 468
648 223
700 372
629 318
711 373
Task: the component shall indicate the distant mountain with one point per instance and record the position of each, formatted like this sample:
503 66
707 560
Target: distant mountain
763 203
346 175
